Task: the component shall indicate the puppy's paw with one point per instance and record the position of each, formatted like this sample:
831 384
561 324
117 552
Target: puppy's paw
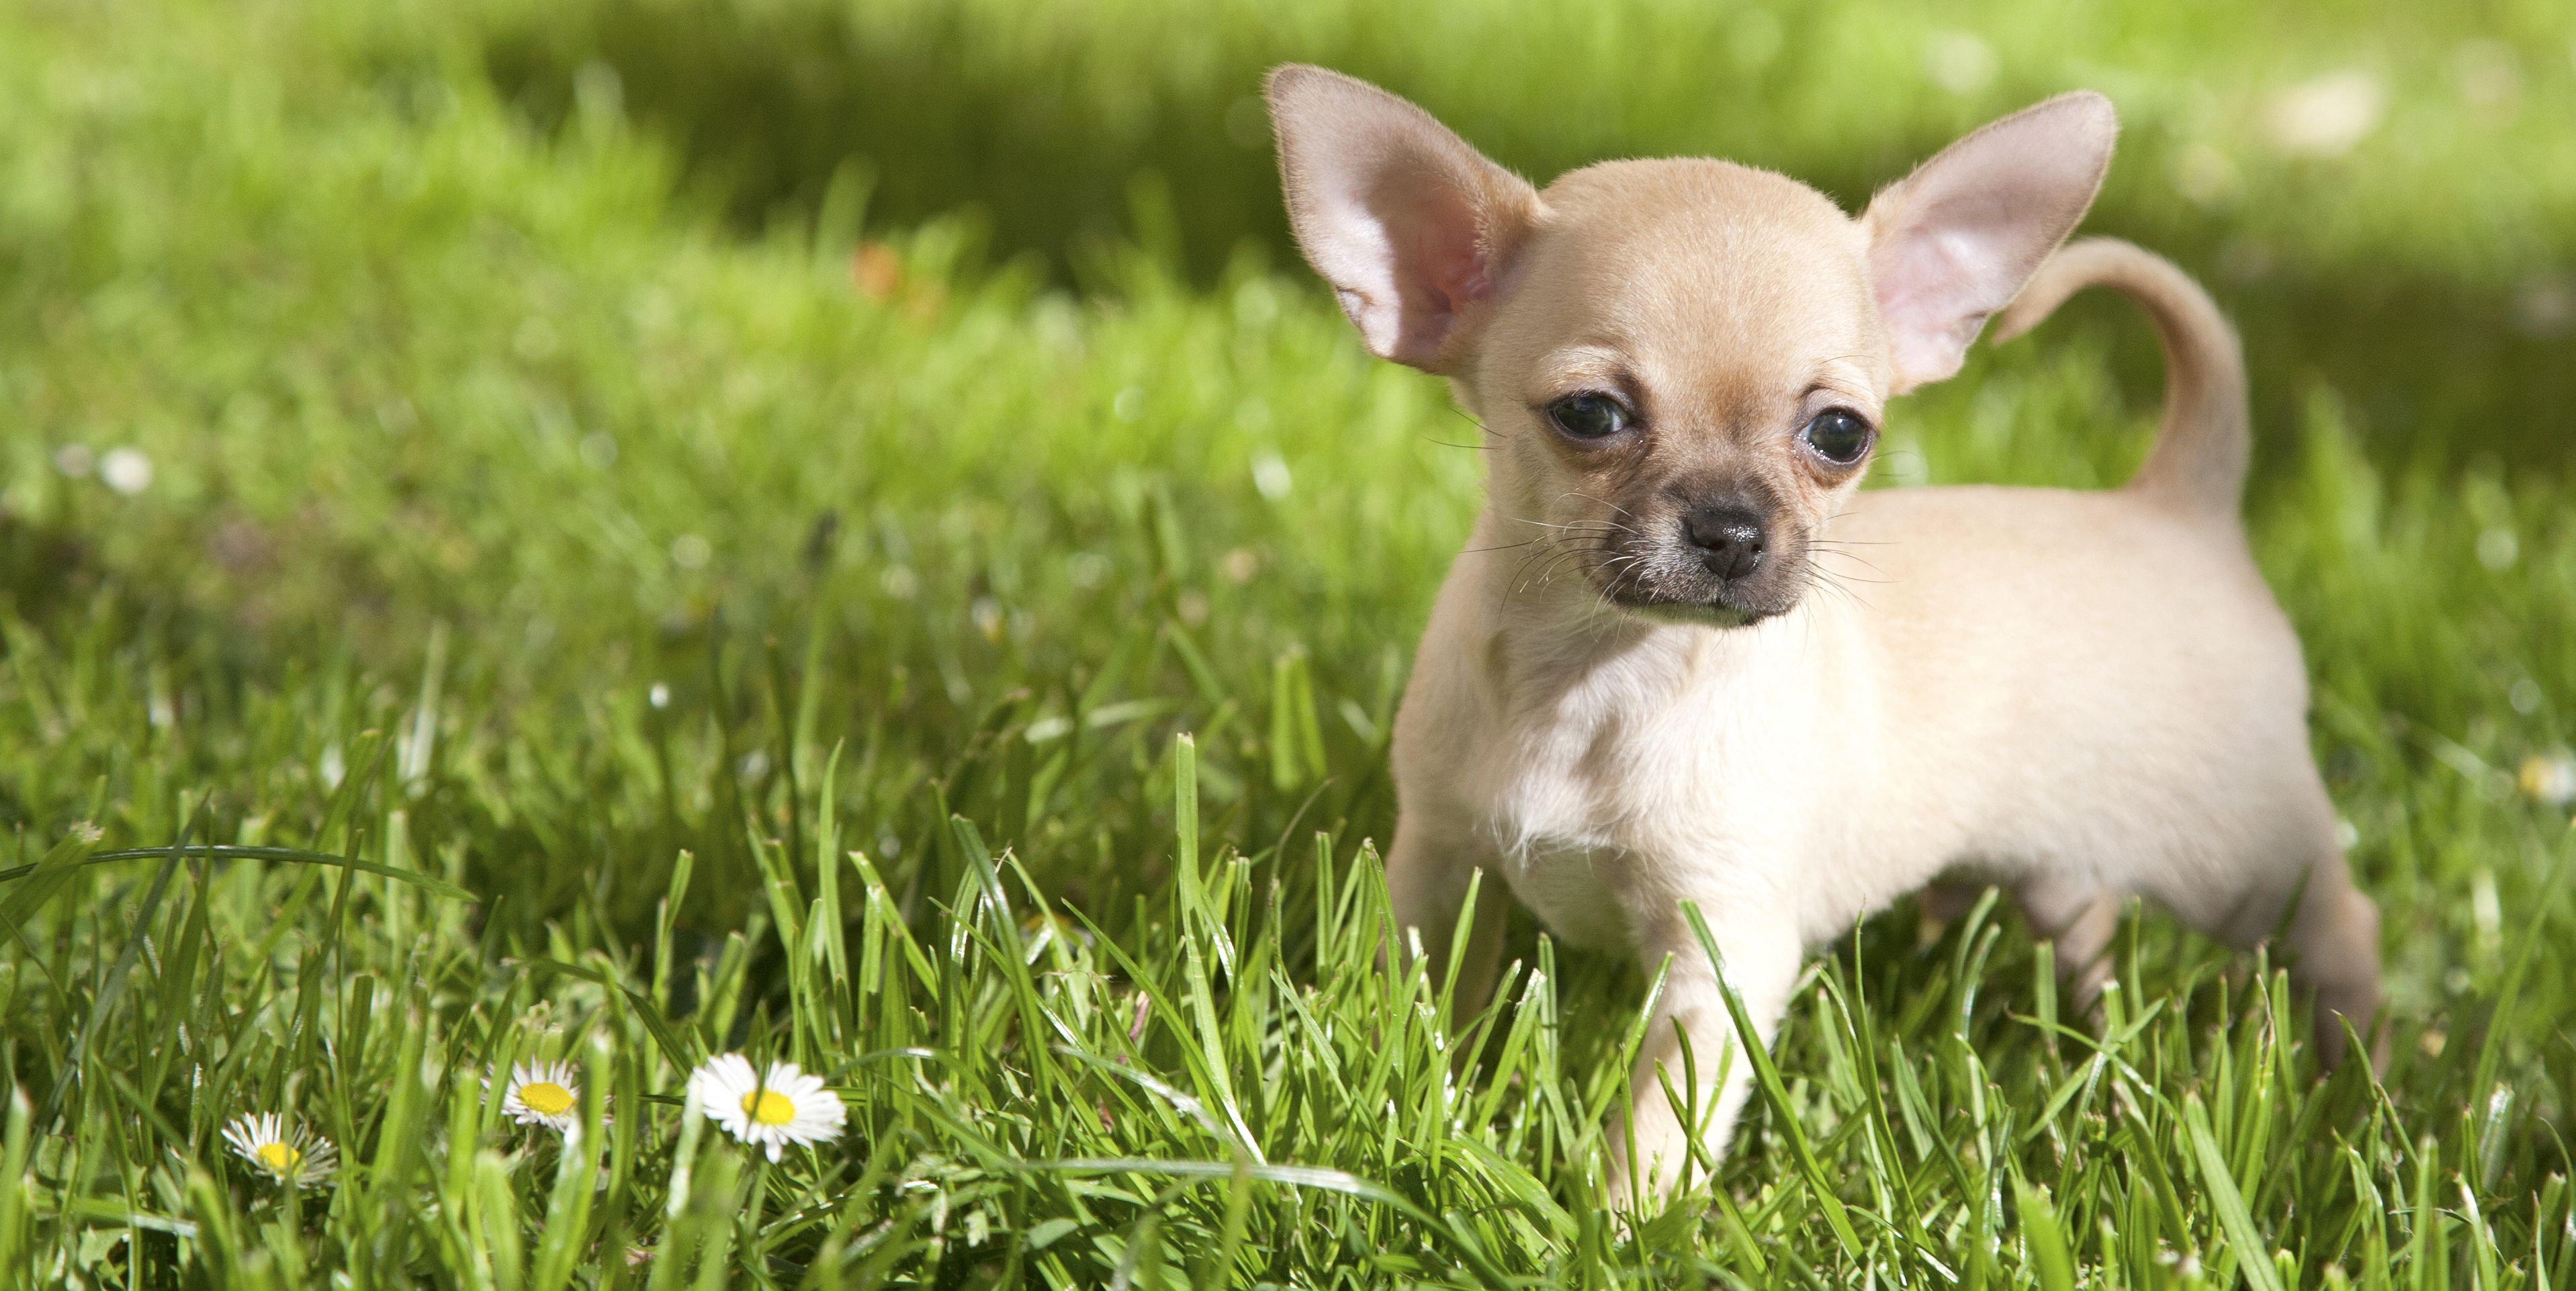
1663 1165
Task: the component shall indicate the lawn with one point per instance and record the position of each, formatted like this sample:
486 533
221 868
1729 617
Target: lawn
617 534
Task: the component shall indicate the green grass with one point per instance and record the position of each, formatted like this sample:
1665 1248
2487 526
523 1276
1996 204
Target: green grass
908 674
2425 268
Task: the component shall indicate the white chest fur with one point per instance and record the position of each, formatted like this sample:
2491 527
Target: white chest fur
1688 761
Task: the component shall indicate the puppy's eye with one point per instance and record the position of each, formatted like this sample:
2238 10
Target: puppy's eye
1588 416
1838 435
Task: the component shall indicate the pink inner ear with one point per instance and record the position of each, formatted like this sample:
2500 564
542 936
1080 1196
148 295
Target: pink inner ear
1935 289
1457 273
1440 270
1952 243
1406 221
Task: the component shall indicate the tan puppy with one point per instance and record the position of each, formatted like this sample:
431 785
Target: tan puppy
1655 676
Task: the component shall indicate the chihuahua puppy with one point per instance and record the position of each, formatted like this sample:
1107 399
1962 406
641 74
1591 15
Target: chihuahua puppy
1654 678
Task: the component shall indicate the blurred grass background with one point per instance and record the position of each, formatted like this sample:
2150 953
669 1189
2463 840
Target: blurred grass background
2375 189
604 411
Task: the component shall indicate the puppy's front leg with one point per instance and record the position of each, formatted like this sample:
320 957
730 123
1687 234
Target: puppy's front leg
1762 952
1427 876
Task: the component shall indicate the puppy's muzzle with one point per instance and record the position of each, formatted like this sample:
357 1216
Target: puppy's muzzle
1728 537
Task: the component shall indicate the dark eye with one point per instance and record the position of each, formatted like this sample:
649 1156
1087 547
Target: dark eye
1838 435
1588 416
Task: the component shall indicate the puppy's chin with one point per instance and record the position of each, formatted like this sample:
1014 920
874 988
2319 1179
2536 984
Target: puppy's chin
1697 614
1684 614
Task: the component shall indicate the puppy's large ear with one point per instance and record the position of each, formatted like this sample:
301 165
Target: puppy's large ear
1411 226
1953 242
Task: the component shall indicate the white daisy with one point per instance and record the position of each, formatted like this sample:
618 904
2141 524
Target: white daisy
773 1108
287 1153
544 1094
2550 778
126 470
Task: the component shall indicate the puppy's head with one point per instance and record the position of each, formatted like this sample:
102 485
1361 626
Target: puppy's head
1681 364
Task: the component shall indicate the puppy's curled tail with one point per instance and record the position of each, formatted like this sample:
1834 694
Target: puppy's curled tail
2198 462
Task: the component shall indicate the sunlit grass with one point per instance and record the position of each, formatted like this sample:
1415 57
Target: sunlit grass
557 629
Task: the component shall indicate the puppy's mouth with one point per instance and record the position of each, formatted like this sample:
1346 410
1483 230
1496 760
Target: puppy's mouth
1682 583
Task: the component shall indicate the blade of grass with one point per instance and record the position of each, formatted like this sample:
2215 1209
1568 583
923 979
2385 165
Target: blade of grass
2253 1256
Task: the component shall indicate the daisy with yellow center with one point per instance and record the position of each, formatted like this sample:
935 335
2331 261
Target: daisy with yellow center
544 1094
286 1152
768 1109
2550 778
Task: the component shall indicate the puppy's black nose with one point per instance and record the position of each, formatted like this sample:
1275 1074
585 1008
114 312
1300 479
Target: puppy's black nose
1729 538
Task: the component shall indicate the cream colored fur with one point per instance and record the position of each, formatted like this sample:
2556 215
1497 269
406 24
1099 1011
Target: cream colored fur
2082 696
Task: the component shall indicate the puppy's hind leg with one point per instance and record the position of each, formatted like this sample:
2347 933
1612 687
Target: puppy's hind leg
2334 944
1945 902
2079 921
2332 935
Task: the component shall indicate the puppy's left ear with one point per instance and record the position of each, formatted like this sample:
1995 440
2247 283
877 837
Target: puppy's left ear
1953 242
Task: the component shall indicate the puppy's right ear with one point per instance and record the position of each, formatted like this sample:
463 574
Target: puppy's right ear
1412 227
